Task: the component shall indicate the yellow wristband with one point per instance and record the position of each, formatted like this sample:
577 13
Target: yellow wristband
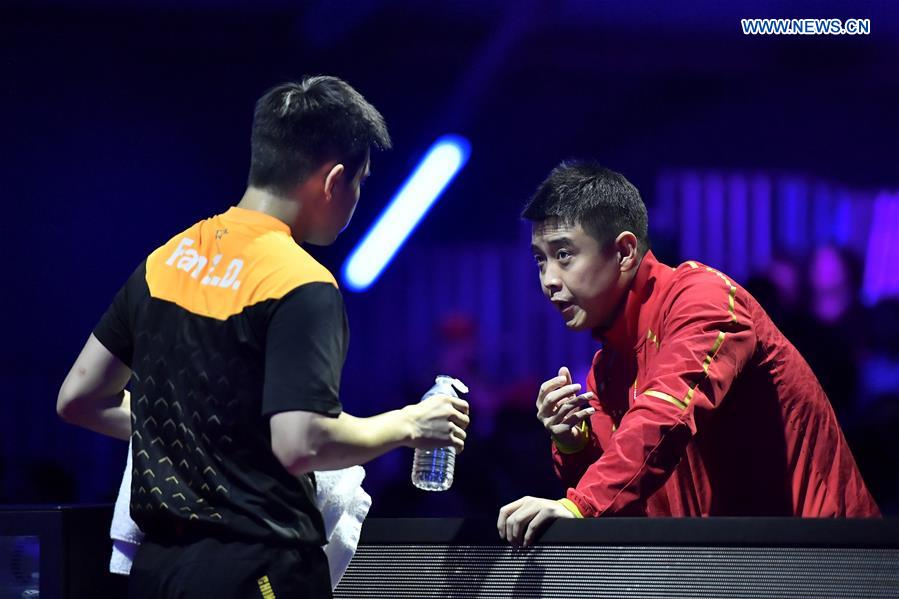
571 507
581 442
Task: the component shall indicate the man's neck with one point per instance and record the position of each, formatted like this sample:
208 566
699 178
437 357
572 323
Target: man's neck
283 208
621 329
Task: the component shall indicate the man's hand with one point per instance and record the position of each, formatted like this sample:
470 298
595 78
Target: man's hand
561 410
438 421
521 521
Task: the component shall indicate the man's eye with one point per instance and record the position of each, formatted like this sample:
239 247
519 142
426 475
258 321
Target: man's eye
563 255
539 260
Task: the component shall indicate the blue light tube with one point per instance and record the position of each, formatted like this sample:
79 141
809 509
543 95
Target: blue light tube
411 203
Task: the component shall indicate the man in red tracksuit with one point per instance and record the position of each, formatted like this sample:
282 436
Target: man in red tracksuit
697 405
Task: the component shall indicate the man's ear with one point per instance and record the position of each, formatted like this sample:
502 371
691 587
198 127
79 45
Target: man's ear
627 248
332 178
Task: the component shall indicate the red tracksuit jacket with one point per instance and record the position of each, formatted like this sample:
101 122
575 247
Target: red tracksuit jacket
703 408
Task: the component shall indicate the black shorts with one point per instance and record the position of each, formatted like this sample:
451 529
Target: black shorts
225 570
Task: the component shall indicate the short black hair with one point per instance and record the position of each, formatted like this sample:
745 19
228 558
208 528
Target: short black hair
600 200
297 127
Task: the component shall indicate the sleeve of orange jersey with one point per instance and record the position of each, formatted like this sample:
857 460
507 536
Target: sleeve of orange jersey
705 341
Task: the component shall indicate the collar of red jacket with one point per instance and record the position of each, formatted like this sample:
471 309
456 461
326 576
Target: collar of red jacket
628 330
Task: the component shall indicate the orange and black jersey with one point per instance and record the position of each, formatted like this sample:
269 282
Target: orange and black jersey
225 325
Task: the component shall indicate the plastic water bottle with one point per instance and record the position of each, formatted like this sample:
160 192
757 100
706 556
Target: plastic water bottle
432 469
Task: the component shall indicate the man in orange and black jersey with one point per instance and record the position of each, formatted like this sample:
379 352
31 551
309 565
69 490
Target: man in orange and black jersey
233 339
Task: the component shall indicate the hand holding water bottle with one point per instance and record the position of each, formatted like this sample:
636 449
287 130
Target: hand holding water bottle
438 421
442 419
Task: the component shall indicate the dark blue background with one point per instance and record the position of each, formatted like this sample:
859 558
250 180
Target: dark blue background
124 123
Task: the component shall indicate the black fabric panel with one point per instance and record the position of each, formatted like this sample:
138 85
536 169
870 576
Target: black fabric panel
305 348
115 330
203 464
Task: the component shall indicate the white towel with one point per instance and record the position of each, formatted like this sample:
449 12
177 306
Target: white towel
344 505
126 536
339 496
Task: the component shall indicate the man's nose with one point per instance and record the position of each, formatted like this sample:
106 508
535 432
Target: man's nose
551 281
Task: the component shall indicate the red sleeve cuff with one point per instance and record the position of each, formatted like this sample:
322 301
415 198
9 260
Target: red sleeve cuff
586 509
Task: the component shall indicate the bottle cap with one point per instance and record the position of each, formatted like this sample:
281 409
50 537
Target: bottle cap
459 386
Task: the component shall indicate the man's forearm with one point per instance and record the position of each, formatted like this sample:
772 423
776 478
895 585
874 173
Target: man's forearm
334 443
351 440
113 420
